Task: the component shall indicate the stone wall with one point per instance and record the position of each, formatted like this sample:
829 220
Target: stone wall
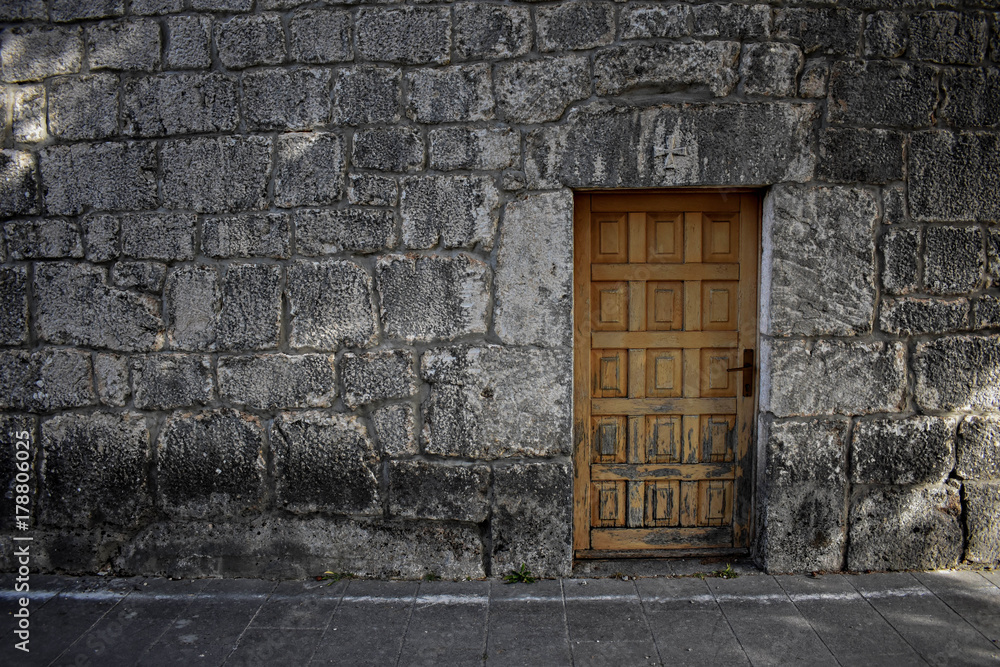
287 285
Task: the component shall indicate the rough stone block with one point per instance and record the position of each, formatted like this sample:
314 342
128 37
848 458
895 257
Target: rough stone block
210 465
954 176
213 175
900 248
894 209
425 490
108 177
979 448
281 99
111 374
916 450
534 278
986 313
224 6
813 82
667 66
905 528
33 53
953 259
156 7
995 38
270 381
167 381
886 34
76 307
320 36
328 232
372 190
84 107
432 298
247 235
245 41
537 91
512 180
958 372
853 155
330 304
74 10
45 380
166 236
973 97
16 429
579 24
27 113
100 237
833 377
482 149
251 307
450 94
189 42
24 10
882 92
951 38
179 104
831 31
94 470
388 149
532 518
822 261
474 389
405 35
455 211
647 20
192 300
731 21
394 427
491 32
911 316
770 69
13 305
982 521
143 276
43 239
805 514
18 183
324 463
366 94
310 169
376 376
130 44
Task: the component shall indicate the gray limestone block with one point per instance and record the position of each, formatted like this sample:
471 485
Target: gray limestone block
167 381
972 97
954 176
250 318
886 34
770 69
189 42
309 170
831 31
245 41
94 470
51 238
324 463
995 39
165 236
531 521
915 450
813 82
216 174
993 257
24 10
643 20
224 6
455 211
366 94
805 511
13 305
372 190
860 155
953 259
74 10
270 381
491 32
986 312
513 180
111 374
36 52
192 299
405 35
282 99
18 183
128 44
388 149
432 298
574 25
247 235
450 94
982 521
75 306
667 66
84 107
912 316
821 261
426 490
100 237
882 92
394 428
537 91
833 377
979 448
374 376
156 7
958 372
474 390
210 465
167 104
894 209
321 36
106 176
329 232
900 249
330 304
45 380
732 21
534 276
143 276
481 149
905 528
27 113
951 38
18 458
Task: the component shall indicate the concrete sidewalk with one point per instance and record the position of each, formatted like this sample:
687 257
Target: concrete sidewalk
946 618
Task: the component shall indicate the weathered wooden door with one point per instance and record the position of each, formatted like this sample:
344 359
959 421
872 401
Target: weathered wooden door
665 317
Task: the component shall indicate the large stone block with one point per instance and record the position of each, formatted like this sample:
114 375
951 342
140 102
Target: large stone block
491 32
45 380
250 317
108 177
25 10
18 183
210 465
882 92
388 149
129 44
481 149
36 52
111 374
245 41
534 278
94 470
310 169
972 97
905 528
189 42
770 69
579 24
366 94
831 31
100 237
372 190
852 155
805 496
455 211
978 448
986 312
143 276
166 236
84 107
179 104
900 249
330 304
450 94
914 316
212 175
328 232
475 389
833 377
73 10
52 238
18 456
916 450
982 521
951 38
13 305
269 381
192 299
667 67
958 372
376 376
954 176
532 518
226 6
648 20
167 381
320 36
432 298
28 110
405 35
248 235
537 91
886 34
156 7
953 259
282 99
394 429
425 490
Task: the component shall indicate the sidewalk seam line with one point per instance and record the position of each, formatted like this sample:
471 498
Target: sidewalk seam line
89 628
811 627
649 628
329 622
890 623
249 622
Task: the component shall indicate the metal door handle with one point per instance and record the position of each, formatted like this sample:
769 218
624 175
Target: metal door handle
748 375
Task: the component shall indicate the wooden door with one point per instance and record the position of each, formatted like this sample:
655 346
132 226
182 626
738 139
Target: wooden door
664 316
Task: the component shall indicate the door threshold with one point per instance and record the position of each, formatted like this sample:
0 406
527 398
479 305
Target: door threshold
591 554
675 566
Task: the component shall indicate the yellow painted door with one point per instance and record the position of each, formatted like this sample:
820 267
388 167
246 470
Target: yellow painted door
665 317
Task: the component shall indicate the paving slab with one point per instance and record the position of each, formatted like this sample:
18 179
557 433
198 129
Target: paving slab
970 595
614 653
993 576
368 609
448 625
269 646
300 605
605 610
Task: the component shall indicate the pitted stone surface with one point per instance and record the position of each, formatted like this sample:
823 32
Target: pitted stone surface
894 209
978 448
130 44
531 517
250 318
213 175
366 94
18 183
405 35
111 374
372 190
770 69
244 41
482 149
424 490
108 176
668 67
732 21
916 450
973 97
13 305
882 92
948 37
45 380
33 53
167 381
646 20
247 235
914 316
330 304
71 10
24 11
886 34
455 211
376 376
958 372
192 298
491 31
954 176
188 42
851 155
100 237
84 107
28 113
328 232
580 24
900 250
395 430
158 236
43 239
537 91
388 149
168 104
286 99
320 36
143 276
450 94
814 79
270 381
953 259
832 31
982 524
310 169
19 429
